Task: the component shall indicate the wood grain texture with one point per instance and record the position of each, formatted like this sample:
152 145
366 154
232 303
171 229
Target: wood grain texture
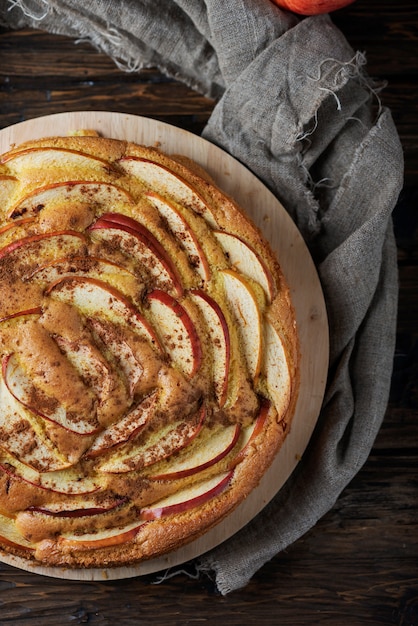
358 566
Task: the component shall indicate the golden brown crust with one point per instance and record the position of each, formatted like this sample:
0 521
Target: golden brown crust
149 352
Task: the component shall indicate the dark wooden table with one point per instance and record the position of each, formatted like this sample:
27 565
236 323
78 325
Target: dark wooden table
359 565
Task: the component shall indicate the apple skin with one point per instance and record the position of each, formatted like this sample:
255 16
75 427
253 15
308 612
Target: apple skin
158 450
35 311
80 512
157 512
222 346
19 243
21 222
191 470
47 153
104 540
70 190
124 430
181 316
45 482
119 221
312 7
257 428
184 233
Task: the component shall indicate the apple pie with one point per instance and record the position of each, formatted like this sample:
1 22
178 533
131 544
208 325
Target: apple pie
149 352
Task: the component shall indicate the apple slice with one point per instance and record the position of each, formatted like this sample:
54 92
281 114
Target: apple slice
245 307
7 185
108 386
45 246
276 369
184 234
94 267
11 537
45 157
24 221
20 386
242 256
177 331
66 481
94 297
138 242
250 433
86 508
201 454
125 429
23 438
89 363
188 498
35 311
121 352
90 191
167 182
160 444
217 328
103 538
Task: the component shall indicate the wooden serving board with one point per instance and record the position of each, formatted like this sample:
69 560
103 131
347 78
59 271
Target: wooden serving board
297 265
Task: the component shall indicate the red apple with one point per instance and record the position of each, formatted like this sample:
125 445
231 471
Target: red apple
87 508
16 224
177 331
218 331
103 538
201 455
35 311
184 233
66 241
41 157
66 481
94 267
312 7
250 433
91 191
125 429
188 498
137 241
160 445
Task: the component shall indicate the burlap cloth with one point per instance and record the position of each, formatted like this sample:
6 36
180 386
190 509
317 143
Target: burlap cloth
295 105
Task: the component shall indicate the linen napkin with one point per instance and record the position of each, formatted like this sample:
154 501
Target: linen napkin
295 104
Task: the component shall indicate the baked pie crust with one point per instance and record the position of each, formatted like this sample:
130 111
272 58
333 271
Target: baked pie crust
149 349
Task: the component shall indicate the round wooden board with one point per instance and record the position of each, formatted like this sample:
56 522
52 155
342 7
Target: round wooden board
295 260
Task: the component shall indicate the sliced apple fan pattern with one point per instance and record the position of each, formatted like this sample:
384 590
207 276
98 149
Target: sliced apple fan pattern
138 360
